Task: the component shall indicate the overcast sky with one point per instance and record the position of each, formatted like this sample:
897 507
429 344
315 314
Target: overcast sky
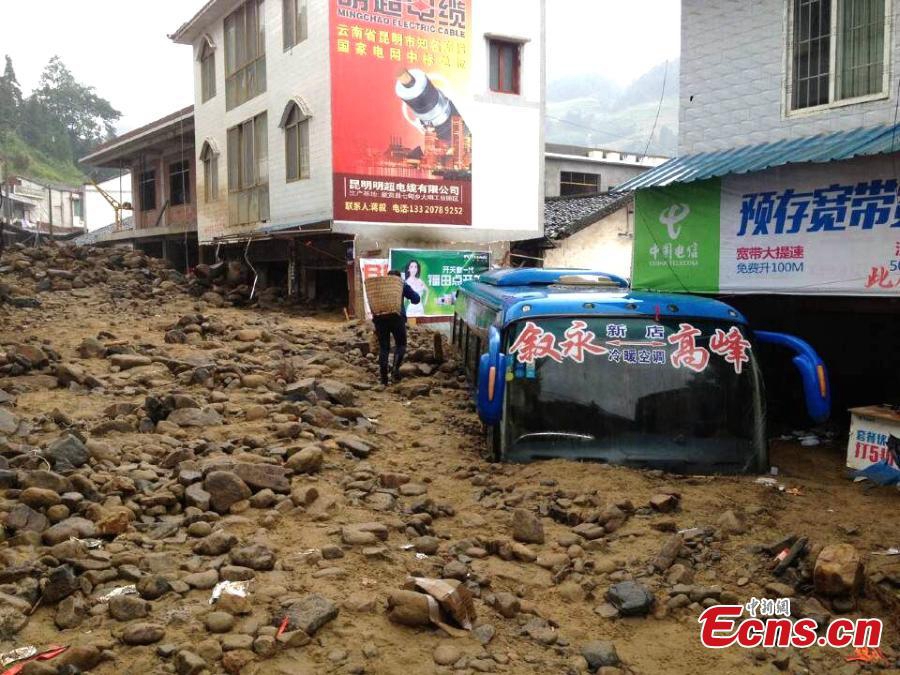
120 46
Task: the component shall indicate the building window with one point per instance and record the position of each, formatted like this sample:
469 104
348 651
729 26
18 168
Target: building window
245 53
207 70
296 142
77 208
248 172
505 66
210 160
179 183
295 22
147 190
572 184
837 51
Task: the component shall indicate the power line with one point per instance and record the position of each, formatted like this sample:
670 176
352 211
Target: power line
662 95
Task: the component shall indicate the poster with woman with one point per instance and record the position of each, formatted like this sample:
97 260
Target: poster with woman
436 276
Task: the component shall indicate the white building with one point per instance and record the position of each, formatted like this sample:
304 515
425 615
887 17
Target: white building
574 171
43 206
332 130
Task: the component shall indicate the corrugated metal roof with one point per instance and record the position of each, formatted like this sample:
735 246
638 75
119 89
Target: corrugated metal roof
749 158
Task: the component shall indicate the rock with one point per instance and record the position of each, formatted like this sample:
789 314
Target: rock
11 622
336 392
189 663
311 613
67 452
838 571
527 527
667 554
79 528
91 348
600 654
484 633
779 590
256 557
203 581
730 523
248 335
236 605
61 583
630 598
217 543
128 361
446 654
153 586
23 518
355 446
507 605
219 622
195 417
427 545
143 634
29 355
9 423
664 503
254 381
234 662
70 612
84 658
195 495
225 489
408 608
128 608
263 477
307 460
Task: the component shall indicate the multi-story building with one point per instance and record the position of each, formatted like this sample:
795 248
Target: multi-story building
784 195
575 171
162 218
41 206
330 131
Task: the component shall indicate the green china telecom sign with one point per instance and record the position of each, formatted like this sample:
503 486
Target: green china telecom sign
676 238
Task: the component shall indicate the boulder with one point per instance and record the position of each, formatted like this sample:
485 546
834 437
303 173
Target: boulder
225 488
527 527
311 613
838 571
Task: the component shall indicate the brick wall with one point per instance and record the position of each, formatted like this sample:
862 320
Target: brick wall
733 78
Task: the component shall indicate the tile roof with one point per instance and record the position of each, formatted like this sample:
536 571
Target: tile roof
564 216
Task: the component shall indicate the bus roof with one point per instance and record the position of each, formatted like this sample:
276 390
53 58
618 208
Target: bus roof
523 293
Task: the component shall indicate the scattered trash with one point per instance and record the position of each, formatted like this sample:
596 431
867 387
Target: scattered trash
421 556
131 589
238 588
881 473
454 598
867 655
17 655
88 543
891 551
773 470
768 481
407 547
794 492
809 441
32 655
283 626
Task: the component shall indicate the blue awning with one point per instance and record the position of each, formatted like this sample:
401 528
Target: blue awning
749 158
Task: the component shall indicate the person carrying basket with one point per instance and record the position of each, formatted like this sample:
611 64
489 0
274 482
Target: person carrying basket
386 295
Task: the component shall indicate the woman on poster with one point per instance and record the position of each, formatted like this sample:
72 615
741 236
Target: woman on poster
412 275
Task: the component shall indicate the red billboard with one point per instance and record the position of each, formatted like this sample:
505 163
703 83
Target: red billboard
400 76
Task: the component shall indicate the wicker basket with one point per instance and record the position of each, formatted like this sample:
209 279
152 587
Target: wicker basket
385 295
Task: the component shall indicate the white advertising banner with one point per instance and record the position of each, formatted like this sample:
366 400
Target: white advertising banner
812 229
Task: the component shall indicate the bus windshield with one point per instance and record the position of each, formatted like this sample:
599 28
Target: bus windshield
682 395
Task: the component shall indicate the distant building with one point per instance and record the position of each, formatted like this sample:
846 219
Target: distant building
160 158
572 171
41 206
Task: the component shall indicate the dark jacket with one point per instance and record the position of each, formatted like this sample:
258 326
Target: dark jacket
411 295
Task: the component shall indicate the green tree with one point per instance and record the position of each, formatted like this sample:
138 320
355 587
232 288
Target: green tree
10 98
86 117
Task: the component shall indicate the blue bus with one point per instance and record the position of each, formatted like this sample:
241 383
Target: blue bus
574 364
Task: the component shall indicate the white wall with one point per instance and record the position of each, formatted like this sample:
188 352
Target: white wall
507 130
610 174
97 211
600 246
734 75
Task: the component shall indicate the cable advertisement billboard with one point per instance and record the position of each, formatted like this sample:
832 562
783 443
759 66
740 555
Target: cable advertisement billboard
402 147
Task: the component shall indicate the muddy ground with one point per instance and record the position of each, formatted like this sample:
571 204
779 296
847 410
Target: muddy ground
408 457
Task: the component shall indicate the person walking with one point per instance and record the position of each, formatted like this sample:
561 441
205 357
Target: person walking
388 325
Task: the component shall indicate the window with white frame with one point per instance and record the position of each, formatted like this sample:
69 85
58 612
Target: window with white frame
207 70
295 123
295 22
210 159
245 53
838 51
248 171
